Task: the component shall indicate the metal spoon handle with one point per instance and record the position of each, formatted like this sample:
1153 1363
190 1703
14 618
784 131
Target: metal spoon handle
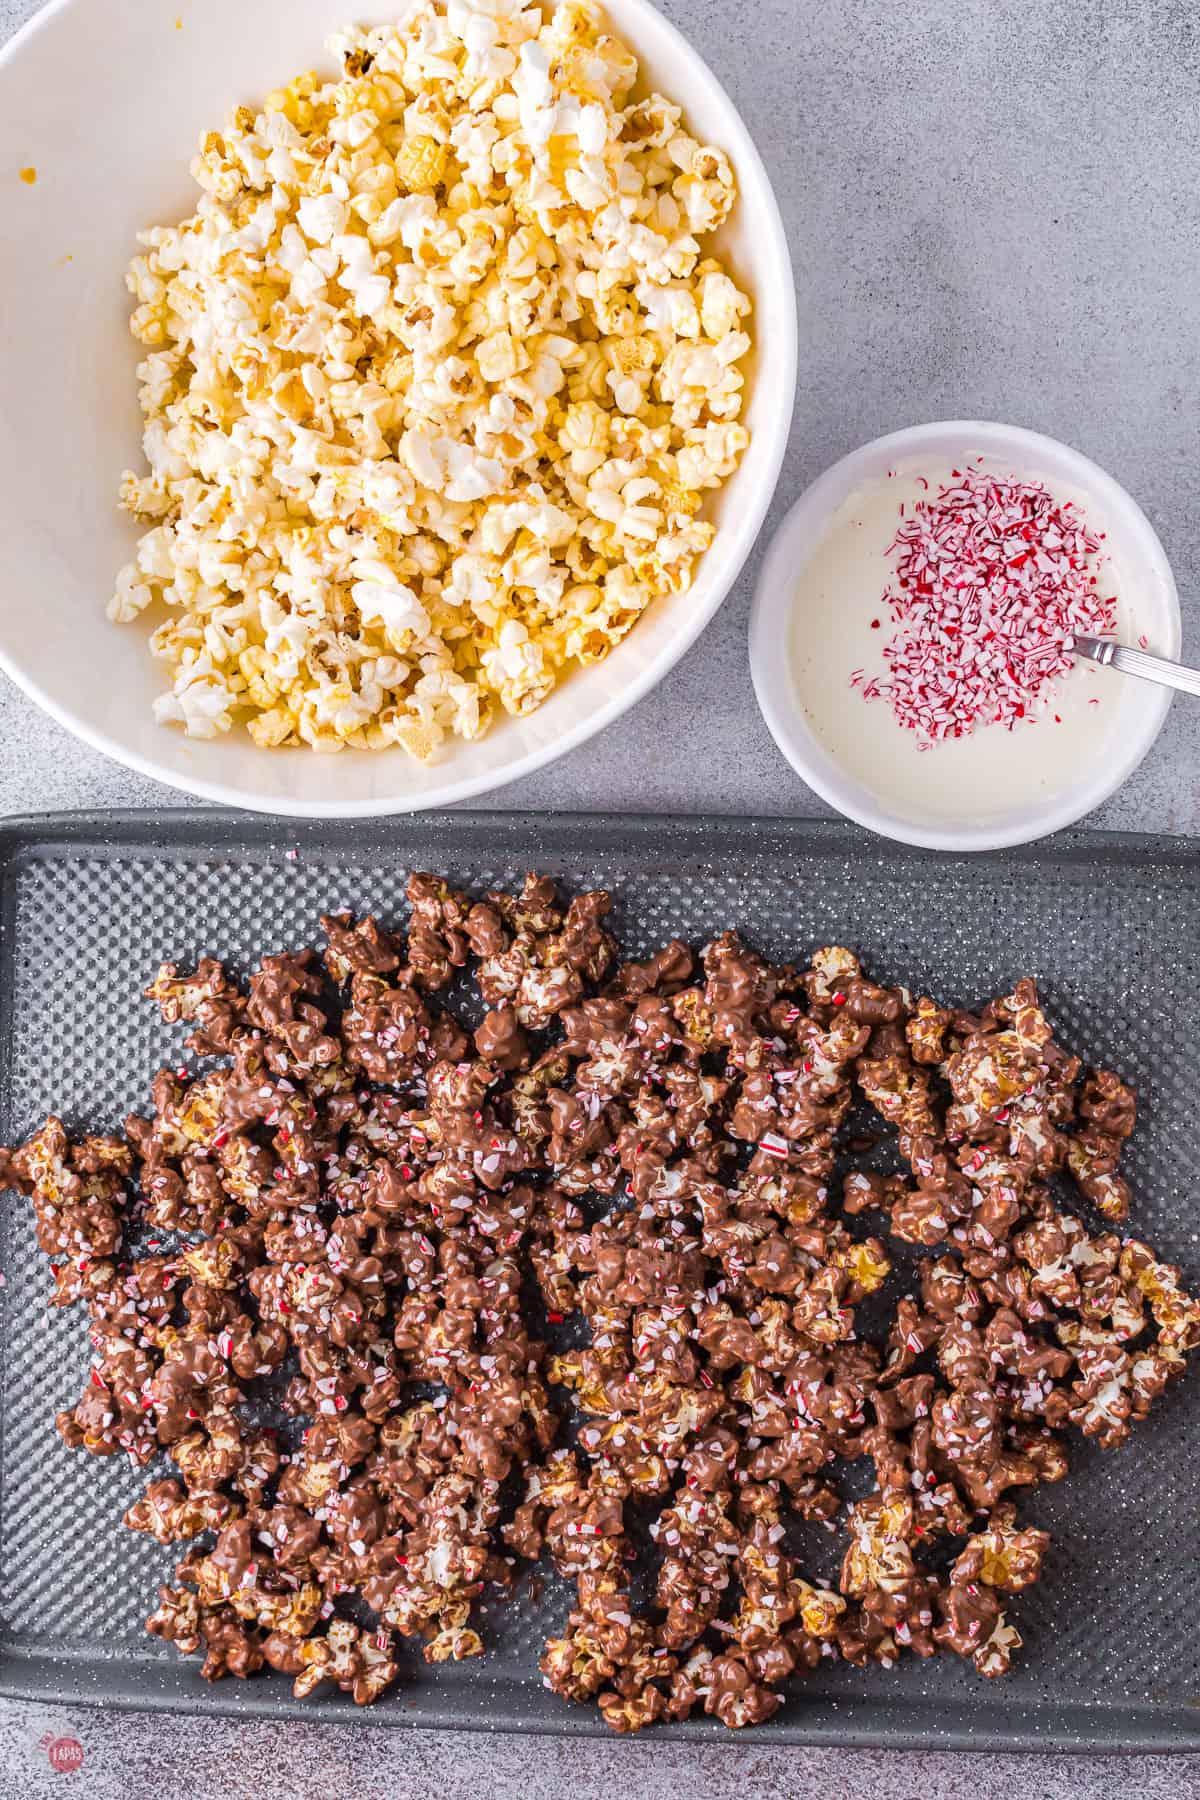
1140 663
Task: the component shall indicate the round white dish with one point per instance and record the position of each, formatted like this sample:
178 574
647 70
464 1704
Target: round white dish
1140 707
106 101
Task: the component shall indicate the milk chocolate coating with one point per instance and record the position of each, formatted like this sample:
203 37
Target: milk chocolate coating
383 1219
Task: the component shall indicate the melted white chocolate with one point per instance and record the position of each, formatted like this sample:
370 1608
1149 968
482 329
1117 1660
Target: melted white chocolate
838 598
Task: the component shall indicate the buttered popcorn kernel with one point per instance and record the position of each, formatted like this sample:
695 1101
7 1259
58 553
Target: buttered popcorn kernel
437 380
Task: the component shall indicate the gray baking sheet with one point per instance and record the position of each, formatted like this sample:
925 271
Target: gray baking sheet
1110 926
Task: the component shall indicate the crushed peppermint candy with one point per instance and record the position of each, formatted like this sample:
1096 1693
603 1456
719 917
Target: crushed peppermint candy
994 580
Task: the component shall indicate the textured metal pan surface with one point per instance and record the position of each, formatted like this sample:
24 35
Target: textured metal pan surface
1110 926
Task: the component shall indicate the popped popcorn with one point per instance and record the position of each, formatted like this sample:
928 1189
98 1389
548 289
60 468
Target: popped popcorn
437 379
384 1216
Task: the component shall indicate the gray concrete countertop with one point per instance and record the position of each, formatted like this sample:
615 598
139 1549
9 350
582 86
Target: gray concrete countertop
994 212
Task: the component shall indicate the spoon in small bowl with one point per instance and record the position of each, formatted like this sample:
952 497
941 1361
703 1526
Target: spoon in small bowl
1138 662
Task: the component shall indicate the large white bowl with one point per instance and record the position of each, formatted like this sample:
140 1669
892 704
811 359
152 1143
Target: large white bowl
106 99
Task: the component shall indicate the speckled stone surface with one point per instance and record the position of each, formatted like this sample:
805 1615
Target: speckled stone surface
144 1757
992 211
992 207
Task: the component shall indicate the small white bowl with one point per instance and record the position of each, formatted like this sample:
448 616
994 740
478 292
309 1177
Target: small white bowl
107 99
1140 707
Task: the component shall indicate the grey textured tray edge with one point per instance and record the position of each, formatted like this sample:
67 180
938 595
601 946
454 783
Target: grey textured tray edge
77 1679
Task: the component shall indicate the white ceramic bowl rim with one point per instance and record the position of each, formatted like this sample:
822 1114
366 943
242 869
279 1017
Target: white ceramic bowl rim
799 533
775 375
